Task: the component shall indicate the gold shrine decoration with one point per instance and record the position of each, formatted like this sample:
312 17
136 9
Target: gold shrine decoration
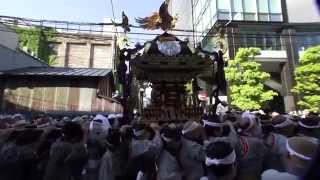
159 20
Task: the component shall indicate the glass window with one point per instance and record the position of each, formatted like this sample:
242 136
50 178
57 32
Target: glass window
237 10
237 6
260 41
263 17
223 16
275 6
250 6
251 41
276 17
224 5
243 41
278 45
263 6
270 42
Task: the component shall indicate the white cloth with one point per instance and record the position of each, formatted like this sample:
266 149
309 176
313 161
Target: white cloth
139 147
105 121
190 127
192 157
168 167
230 159
276 175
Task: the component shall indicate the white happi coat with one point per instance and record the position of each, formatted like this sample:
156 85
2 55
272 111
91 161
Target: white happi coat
153 146
192 158
168 167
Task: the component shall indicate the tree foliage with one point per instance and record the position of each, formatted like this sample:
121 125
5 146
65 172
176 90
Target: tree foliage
246 80
36 41
307 76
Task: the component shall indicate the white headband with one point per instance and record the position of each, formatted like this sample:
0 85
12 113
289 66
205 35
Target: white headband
285 123
309 127
194 125
138 133
230 159
212 124
293 152
165 138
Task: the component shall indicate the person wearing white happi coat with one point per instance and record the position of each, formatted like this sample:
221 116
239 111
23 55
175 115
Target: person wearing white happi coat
221 161
192 154
169 165
214 129
301 151
251 149
143 142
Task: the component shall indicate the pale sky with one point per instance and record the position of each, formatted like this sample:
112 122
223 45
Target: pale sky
82 11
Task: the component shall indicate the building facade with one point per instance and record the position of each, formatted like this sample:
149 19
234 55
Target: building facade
28 84
84 51
278 27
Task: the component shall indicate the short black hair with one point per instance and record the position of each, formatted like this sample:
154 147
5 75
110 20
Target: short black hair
28 136
219 150
73 132
172 133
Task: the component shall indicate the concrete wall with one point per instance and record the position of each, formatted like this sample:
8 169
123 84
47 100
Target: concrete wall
84 53
301 11
12 59
8 37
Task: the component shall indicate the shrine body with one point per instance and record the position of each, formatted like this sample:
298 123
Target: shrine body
168 64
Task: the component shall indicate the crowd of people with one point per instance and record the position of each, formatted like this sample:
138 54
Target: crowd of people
230 146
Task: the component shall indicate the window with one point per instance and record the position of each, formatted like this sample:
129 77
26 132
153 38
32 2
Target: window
263 6
237 10
263 9
250 9
250 6
275 6
224 5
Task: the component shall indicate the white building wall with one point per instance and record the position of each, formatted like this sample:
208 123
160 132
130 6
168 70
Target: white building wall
302 11
182 9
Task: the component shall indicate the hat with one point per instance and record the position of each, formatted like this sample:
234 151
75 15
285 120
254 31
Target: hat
190 126
304 148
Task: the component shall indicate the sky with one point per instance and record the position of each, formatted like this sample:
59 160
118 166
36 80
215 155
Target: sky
81 10
77 10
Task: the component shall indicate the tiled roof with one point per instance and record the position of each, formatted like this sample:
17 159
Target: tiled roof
59 71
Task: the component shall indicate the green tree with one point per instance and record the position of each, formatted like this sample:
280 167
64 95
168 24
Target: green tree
246 80
307 76
37 42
